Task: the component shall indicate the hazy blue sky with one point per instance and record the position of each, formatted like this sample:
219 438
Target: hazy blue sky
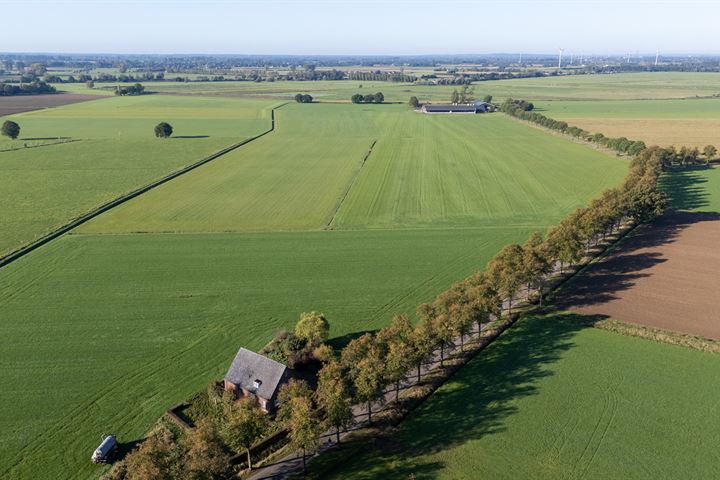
359 27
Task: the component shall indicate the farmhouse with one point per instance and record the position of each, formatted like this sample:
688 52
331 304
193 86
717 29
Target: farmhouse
254 375
475 107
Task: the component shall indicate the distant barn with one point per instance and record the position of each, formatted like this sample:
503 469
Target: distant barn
254 375
475 107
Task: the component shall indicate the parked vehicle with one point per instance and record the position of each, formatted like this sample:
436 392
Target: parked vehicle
103 453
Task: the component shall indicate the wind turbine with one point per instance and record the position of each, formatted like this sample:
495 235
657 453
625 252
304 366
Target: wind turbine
561 50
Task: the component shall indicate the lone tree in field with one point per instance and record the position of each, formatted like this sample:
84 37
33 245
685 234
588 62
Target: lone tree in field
414 102
357 98
10 129
90 84
163 130
455 97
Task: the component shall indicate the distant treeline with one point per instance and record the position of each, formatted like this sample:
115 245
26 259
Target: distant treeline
33 88
371 98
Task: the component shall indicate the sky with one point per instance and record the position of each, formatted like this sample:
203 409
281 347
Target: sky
353 27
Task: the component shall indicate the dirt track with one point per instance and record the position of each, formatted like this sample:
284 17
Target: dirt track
664 275
27 103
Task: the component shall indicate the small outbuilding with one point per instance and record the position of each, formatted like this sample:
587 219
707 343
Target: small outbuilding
254 375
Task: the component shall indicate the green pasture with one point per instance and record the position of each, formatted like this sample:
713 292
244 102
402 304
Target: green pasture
624 86
467 170
424 171
115 151
105 328
553 400
103 333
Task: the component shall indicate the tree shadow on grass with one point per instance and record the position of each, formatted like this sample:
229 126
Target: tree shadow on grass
191 136
684 188
124 448
45 138
475 403
338 343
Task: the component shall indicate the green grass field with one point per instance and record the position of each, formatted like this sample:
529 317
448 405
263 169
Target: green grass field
552 400
626 86
424 171
116 151
106 332
119 326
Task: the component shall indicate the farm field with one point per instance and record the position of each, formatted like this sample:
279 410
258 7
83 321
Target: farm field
120 327
423 172
26 103
114 152
124 324
625 86
691 122
551 400
631 283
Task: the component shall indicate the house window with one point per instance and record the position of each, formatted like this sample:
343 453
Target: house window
257 383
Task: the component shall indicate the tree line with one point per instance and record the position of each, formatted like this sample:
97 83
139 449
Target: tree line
33 88
303 98
136 89
370 98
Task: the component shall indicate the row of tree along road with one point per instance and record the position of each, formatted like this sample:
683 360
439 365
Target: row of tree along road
362 372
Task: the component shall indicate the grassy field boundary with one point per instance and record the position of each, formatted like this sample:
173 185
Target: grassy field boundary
22 251
659 335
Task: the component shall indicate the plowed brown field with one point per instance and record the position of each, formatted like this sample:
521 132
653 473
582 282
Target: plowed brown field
26 103
665 275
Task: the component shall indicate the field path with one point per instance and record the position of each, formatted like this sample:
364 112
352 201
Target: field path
21 252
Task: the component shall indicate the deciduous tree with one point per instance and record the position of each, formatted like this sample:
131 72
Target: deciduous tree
333 397
163 130
244 424
10 129
313 327
206 456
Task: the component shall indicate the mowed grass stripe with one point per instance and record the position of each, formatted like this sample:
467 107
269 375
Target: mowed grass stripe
107 331
424 171
473 170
